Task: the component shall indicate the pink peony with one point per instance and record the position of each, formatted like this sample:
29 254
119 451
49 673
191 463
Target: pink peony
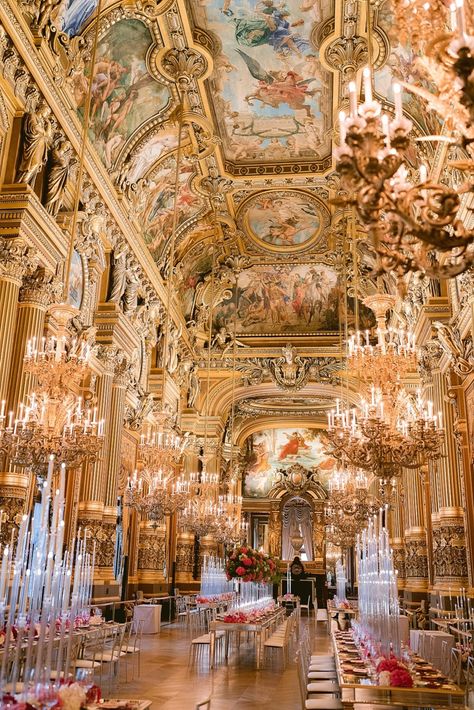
240 571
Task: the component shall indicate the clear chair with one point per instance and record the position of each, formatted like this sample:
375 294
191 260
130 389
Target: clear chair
455 666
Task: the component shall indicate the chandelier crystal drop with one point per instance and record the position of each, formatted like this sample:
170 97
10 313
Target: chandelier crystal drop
54 421
411 227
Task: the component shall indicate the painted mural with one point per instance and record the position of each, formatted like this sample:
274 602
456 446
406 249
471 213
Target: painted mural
154 149
284 218
157 216
270 91
74 14
288 299
273 449
124 93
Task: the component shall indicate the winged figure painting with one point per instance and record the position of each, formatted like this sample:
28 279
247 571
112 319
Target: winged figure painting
279 87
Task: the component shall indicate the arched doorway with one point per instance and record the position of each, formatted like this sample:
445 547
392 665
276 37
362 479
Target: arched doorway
297 529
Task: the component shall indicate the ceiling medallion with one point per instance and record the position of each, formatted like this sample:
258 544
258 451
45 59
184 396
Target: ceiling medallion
283 220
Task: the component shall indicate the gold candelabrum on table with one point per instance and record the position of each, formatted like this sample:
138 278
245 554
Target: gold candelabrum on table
411 227
54 421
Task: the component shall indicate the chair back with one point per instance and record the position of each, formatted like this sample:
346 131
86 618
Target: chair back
469 678
302 678
455 666
445 658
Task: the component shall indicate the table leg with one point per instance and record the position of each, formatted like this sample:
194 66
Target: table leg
227 638
258 649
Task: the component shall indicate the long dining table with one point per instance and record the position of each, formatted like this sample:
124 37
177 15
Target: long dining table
358 682
258 628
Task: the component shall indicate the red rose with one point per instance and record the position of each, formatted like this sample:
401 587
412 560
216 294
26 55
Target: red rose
240 571
247 562
401 678
388 664
244 550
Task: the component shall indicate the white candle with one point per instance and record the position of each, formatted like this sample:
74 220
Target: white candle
367 85
353 99
397 95
342 126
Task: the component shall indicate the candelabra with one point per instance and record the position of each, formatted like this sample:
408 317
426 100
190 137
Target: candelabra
411 227
54 421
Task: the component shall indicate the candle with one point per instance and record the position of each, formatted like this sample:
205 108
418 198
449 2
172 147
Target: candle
367 85
342 127
397 95
461 19
353 99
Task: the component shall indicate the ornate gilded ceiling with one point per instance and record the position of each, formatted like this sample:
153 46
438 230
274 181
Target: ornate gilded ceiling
260 248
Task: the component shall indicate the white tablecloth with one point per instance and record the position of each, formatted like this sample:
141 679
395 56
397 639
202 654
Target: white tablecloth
150 614
433 648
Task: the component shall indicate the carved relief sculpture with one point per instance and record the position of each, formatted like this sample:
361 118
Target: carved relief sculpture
61 163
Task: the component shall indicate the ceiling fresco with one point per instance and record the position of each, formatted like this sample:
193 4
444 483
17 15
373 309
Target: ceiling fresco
270 450
271 96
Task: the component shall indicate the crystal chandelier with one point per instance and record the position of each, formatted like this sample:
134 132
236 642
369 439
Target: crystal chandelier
54 421
411 227
203 510
156 495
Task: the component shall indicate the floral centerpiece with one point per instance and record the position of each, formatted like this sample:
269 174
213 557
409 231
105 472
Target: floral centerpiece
394 673
250 565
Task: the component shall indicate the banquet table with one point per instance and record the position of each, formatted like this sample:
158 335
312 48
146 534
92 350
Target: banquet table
438 638
258 628
150 615
358 682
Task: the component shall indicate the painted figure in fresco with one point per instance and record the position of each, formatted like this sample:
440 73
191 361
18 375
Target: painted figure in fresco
270 25
76 14
278 87
295 442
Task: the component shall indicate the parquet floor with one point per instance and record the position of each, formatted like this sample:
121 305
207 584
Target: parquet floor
171 683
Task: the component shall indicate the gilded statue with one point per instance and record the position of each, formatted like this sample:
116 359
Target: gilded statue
46 12
132 284
193 388
172 356
118 274
37 139
61 157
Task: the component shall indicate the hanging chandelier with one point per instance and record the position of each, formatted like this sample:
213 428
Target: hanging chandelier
156 495
163 445
378 437
203 510
54 421
230 530
350 503
411 227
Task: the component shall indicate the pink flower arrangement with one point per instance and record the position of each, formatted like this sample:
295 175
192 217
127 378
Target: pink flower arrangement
393 672
250 565
388 664
248 617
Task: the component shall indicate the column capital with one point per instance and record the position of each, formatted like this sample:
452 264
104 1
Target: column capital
16 259
111 357
40 288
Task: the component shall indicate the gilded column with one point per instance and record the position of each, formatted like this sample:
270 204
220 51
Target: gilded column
397 535
114 436
14 262
94 479
449 533
37 293
416 555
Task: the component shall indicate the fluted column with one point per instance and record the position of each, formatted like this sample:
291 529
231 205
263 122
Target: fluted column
36 294
416 556
397 535
449 531
14 262
116 416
